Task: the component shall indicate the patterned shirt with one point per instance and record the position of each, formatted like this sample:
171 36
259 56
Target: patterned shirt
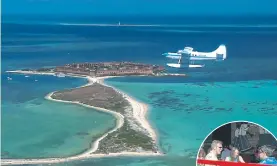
269 160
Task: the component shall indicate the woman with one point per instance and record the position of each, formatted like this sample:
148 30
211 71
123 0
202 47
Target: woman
235 157
201 155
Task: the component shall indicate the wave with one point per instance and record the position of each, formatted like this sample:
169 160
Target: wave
175 25
70 46
122 25
126 24
208 31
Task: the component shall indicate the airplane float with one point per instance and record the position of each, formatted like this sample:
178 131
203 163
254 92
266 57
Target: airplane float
188 56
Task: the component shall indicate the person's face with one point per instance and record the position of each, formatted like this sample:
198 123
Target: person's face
261 155
201 154
236 153
218 148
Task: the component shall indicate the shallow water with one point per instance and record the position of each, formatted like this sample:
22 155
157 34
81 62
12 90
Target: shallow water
185 113
34 127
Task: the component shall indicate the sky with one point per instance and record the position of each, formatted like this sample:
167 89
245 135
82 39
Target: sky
140 7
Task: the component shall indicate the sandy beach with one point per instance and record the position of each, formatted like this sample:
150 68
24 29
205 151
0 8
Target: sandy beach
139 112
73 158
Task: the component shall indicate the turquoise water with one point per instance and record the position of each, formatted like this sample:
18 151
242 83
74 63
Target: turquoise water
179 112
182 113
35 127
135 161
185 113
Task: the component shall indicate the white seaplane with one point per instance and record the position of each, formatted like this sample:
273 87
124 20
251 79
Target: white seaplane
187 57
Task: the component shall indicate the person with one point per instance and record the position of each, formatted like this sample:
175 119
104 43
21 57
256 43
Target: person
201 155
226 152
241 141
255 156
208 151
216 148
235 157
265 153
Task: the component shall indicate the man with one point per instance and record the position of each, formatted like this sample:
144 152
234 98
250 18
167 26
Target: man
264 153
226 152
216 148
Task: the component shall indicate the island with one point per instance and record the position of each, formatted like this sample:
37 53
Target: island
132 135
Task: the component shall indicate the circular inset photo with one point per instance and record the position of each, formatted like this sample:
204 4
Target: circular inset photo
238 142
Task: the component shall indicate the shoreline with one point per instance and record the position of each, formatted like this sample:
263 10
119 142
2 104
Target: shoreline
140 116
94 144
139 113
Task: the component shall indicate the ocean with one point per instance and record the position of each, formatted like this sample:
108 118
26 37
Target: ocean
183 110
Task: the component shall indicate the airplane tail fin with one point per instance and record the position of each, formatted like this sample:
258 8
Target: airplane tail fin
221 53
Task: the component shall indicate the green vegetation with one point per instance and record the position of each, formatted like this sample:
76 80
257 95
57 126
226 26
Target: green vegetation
26 69
44 69
95 95
126 138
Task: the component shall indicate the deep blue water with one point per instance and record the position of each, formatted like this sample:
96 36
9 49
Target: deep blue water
160 20
250 55
251 48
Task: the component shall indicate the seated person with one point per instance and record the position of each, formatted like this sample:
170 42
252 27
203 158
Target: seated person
235 157
201 154
226 152
216 148
265 155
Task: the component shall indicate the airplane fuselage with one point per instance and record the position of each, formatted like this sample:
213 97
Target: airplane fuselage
190 56
218 54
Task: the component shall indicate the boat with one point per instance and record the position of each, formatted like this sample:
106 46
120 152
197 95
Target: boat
60 75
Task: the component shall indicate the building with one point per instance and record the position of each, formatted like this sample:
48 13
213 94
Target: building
124 72
68 70
110 68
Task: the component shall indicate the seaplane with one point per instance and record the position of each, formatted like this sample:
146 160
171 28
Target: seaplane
187 57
